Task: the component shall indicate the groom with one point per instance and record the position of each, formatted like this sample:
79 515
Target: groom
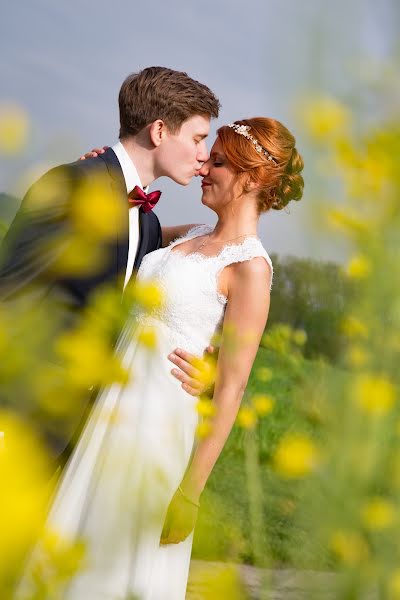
164 120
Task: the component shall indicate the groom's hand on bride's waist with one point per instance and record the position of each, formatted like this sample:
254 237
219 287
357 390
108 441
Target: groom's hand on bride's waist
196 374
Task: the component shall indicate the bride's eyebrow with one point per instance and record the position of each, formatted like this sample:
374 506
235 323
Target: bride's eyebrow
217 155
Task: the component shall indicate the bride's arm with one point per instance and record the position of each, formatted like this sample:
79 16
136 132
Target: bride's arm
171 233
244 323
247 287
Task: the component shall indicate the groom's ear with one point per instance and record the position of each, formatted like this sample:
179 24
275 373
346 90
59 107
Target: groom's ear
157 132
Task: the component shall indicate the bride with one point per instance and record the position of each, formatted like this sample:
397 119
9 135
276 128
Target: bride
132 487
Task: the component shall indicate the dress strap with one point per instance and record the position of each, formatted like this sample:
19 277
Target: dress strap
250 248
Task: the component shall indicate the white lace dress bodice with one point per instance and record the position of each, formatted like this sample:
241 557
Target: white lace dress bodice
193 307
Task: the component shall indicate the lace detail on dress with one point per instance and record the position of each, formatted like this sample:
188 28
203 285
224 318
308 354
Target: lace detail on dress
194 308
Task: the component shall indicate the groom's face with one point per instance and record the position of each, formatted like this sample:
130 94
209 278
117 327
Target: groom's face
181 155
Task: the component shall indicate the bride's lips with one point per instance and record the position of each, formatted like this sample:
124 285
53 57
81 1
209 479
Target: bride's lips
205 184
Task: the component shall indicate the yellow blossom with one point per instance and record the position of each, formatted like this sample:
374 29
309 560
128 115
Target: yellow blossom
394 585
25 474
324 118
345 221
89 360
146 294
14 129
203 429
353 327
104 223
263 374
357 356
206 368
217 582
76 254
349 546
147 337
205 408
299 337
378 513
247 417
358 267
296 456
373 394
263 404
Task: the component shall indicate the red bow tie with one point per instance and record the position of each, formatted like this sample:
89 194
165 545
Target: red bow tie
138 197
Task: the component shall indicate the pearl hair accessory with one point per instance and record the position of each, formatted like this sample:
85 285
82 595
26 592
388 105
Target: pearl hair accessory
244 130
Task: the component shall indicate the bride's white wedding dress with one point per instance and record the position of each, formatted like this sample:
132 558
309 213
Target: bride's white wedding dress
139 438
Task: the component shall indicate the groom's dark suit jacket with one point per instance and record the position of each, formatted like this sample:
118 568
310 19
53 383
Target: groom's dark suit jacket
26 260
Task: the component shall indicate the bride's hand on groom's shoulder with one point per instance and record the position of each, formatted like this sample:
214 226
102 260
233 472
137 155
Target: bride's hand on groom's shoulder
196 374
180 520
93 153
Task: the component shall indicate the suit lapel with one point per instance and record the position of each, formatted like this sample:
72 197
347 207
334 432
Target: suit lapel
119 187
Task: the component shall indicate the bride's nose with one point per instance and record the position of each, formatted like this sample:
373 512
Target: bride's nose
205 169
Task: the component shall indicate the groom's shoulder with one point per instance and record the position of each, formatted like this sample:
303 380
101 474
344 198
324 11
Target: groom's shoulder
70 175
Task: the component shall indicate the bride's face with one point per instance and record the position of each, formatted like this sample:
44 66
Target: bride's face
219 185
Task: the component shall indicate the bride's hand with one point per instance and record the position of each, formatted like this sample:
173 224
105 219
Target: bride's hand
180 520
195 374
93 153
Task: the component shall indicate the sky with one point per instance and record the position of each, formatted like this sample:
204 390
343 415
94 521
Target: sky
64 63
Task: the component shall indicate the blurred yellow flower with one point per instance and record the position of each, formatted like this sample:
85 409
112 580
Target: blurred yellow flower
299 337
354 327
247 417
95 211
206 368
296 456
357 356
263 404
324 118
216 582
203 429
378 513
146 294
75 254
263 374
206 408
345 221
147 337
14 129
373 394
393 585
25 475
358 267
349 546
89 360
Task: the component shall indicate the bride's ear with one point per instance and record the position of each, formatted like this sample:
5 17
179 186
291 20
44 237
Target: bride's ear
157 132
251 185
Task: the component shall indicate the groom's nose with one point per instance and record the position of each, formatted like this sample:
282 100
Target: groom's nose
202 152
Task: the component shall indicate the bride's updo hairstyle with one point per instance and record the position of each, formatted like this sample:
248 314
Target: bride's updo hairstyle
264 153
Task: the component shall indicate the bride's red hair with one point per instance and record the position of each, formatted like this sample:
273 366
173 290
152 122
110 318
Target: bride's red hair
278 183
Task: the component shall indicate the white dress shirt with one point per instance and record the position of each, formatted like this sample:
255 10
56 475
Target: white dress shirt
131 179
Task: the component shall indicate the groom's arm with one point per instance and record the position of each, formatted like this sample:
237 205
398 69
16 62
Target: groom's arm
26 251
169 234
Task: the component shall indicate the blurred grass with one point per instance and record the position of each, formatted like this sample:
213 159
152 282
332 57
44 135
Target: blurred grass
222 531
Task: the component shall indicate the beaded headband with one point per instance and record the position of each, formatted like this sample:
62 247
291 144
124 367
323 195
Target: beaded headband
244 130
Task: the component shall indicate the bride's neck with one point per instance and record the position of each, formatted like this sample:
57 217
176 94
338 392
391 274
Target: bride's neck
237 223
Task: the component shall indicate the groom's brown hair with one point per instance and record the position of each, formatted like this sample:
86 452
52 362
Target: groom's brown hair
161 93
